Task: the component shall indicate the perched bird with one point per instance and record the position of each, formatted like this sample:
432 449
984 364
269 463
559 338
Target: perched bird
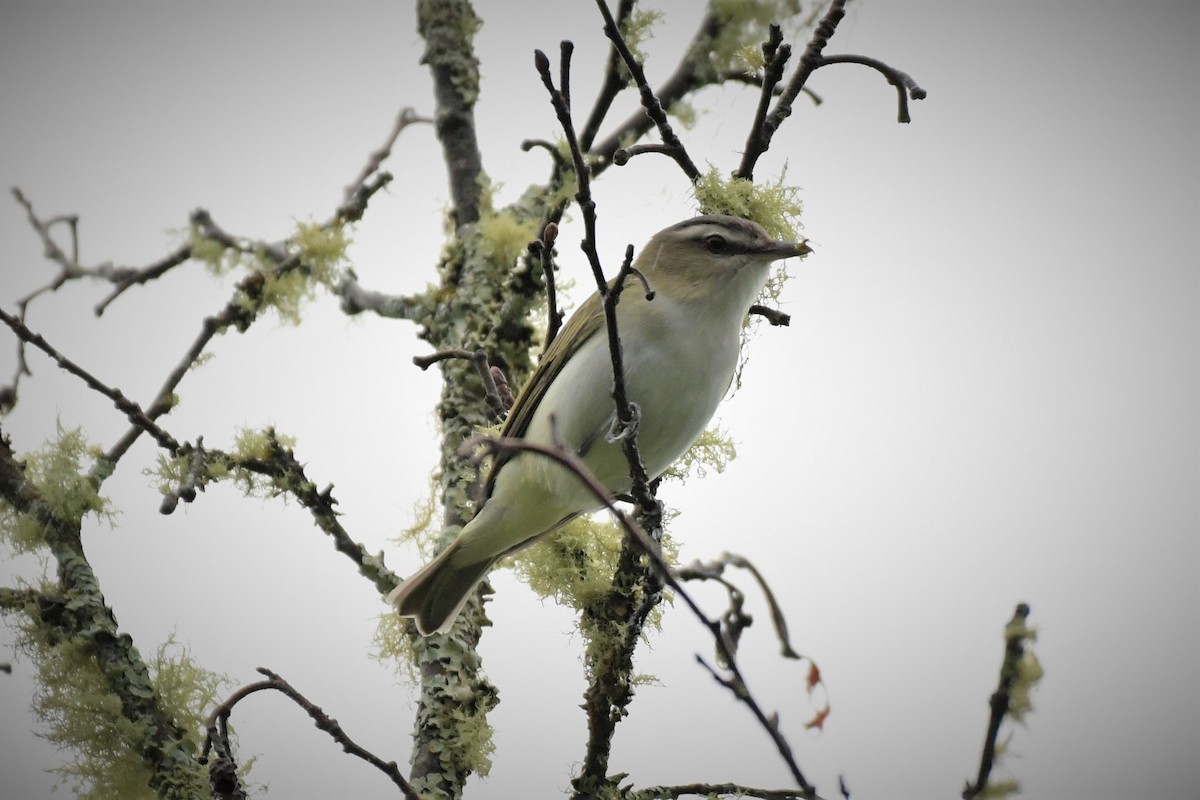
680 351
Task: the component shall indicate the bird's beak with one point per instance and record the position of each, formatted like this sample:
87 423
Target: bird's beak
788 249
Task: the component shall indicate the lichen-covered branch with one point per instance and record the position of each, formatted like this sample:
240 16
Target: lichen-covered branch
140 419
1019 672
278 463
69 624
710 790
448 28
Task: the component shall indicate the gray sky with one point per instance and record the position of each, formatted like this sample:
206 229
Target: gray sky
988 393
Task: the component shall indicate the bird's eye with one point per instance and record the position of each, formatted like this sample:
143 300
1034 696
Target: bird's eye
715 243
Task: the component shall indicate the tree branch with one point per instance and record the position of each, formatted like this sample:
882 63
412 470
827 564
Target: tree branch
612 85
360 189
543 250
906 87
288 477
478 358
773 316
1017 635
690 74
217 737
775 57
650 102
711 790
141 420
448 27
79 619
760 137
356 300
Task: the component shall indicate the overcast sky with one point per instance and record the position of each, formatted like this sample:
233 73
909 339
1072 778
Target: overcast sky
987 395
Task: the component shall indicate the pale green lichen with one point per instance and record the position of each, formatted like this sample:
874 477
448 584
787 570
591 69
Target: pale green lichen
1029 674
713 450
255 445
423 531
749 59
67 493
475 737
1028 670
259 444
170 471
82 716
574 565
392 646
638 28
684 113
321 252
774 205
186 690
505 236
201 360
743 23
316 253
564 192
218 258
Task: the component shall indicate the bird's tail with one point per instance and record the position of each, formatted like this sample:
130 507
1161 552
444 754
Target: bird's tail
436 593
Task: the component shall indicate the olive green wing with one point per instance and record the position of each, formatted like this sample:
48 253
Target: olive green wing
583 324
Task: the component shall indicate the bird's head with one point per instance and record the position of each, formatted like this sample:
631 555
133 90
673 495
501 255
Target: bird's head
704 255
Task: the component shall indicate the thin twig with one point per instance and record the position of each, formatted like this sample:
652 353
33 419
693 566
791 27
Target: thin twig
1014 651
761 137
217 728
543 250
407 116
356 299
906 87
530 144
693 72
186 491
141 420
711 790
650 102
625 410
145 275
614 82
775 56
479 358
772 315
288 477
622 156
628 413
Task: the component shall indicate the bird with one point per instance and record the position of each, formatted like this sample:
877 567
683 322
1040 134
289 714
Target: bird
680 341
